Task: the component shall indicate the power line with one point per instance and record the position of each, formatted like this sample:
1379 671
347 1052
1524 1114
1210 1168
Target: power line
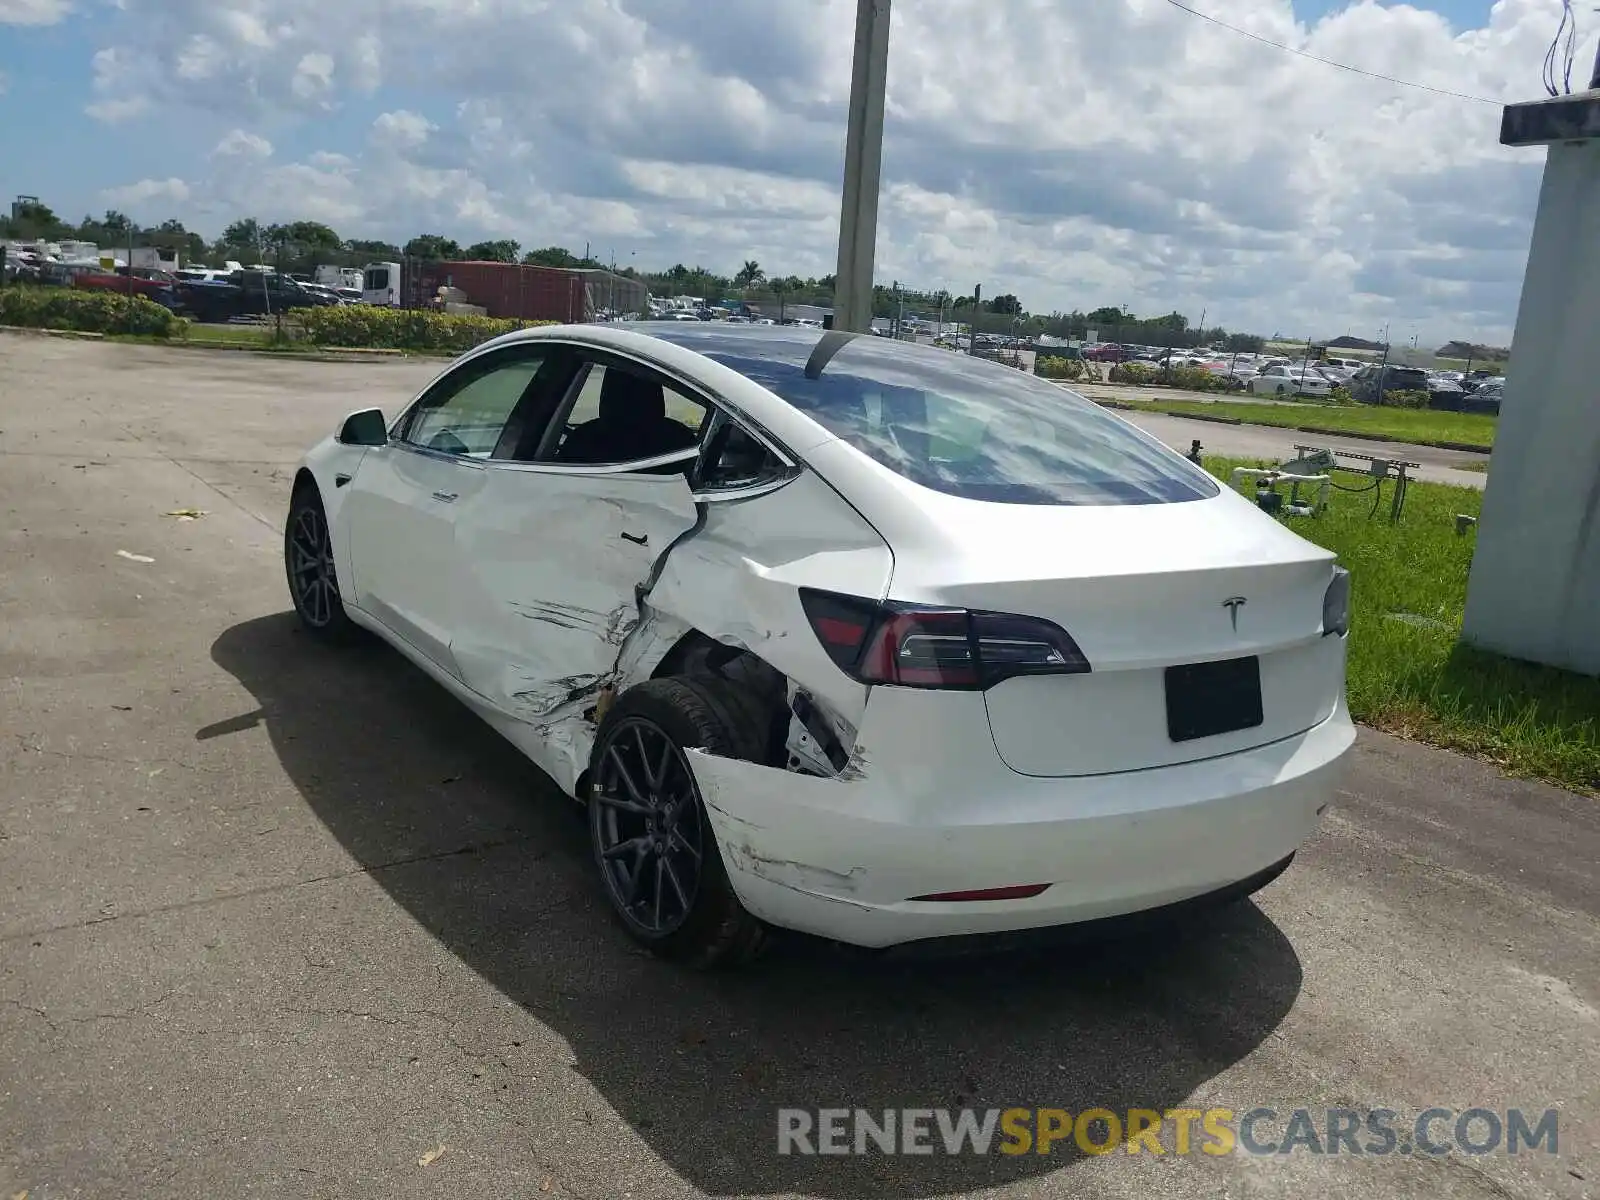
1329 62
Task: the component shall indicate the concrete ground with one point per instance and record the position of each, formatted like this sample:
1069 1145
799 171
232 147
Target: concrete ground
1264 441
278 921
1275 445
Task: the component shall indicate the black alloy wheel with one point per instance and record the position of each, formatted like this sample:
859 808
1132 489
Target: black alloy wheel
308 562
649 830
653 842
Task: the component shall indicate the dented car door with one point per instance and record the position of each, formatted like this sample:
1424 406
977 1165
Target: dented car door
550 563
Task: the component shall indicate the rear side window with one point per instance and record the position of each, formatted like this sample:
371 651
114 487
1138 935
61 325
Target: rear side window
978 430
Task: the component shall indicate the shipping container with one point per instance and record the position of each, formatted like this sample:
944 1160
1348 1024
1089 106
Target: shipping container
514 290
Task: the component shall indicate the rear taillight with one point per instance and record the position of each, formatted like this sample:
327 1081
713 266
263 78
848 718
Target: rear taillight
914 646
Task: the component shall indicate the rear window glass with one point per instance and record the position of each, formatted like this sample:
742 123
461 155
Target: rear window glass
975 429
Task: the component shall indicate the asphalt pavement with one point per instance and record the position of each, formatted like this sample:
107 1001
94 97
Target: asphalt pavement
1276 444
281 921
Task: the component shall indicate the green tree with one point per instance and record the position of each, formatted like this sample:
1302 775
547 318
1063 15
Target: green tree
433 245
503 251
243 234
34 220
750 274
316 238
1109 316
1005 303
550 256
372 251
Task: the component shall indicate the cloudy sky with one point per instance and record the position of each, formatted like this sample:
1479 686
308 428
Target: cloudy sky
1076 152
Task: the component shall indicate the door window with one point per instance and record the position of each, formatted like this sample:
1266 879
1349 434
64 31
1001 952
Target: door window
735 459
622 415
467 412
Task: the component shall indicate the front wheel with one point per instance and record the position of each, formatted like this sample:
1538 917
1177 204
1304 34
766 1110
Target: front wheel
653 843
1282 390
308 562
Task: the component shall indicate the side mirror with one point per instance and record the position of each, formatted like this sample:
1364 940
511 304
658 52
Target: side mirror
365 428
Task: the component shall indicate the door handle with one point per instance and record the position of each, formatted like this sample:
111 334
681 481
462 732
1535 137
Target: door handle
642 539
445 497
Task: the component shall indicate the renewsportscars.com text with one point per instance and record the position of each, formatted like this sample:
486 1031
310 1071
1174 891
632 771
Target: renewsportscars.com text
1176 1131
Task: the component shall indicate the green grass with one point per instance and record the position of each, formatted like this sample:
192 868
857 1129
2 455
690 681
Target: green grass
1418 425
254 336
1410 674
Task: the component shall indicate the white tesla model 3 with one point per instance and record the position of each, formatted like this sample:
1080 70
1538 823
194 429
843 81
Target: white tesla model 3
841 634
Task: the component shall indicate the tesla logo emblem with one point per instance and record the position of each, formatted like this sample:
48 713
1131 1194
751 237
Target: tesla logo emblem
1233 604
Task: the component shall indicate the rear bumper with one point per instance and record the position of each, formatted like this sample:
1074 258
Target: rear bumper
939 812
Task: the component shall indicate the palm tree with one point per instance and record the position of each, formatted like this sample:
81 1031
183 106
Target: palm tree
750 274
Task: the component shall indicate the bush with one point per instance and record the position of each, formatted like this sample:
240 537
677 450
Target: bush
1143 373
365 326
1340 395
1196 379
87 311
1397 398
1056 367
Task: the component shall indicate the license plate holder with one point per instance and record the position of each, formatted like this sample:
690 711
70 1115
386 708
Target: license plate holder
1211 698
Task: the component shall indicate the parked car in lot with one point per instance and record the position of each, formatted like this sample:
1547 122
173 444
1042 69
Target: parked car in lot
1370 383
1106 352
1486 398
840 634
148 282
1284 380
249 294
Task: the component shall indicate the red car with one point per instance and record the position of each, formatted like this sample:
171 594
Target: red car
1107 352
145 281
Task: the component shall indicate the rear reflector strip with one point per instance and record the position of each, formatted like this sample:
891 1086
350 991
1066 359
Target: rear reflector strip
1023 891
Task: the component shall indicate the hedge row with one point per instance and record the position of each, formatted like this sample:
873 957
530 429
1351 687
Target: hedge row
1053 366
1194 379
368 327
86 311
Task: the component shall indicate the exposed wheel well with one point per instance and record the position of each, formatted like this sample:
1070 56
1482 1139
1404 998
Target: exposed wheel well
765 687
303 478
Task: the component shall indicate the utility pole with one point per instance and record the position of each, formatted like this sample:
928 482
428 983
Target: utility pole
1383 367
977 303
863 160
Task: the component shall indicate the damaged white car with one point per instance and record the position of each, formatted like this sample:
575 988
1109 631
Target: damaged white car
841 634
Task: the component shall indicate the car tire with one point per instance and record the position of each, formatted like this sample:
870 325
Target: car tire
1283 389
657 855
309 567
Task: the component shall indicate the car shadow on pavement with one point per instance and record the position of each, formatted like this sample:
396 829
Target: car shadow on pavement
479 847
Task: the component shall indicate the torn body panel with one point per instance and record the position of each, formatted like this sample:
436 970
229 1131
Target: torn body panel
738 580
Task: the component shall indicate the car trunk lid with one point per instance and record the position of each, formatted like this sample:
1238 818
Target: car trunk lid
1202 624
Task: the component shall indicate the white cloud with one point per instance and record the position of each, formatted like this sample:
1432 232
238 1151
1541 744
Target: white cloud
113 111
313 76
241 143
401 130
33 12
132 195
1077 155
